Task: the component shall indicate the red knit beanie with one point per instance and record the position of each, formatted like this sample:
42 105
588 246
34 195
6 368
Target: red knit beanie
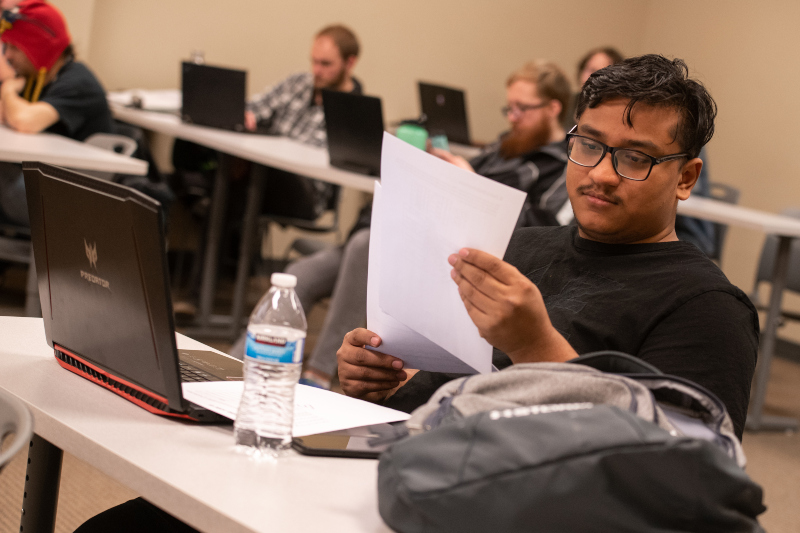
39 31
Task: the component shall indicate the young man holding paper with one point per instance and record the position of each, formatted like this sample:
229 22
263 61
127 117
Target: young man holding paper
620 279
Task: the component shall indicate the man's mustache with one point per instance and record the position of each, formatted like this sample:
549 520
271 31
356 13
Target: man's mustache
593 190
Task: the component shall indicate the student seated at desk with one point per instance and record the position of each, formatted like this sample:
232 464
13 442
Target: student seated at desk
620 279
50 92
530 156
293 108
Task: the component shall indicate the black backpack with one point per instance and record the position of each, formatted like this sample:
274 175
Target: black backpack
556 447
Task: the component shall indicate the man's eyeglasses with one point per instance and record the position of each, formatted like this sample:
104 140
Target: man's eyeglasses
630 164
520 109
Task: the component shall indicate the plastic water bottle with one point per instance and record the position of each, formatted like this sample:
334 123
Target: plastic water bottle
273 358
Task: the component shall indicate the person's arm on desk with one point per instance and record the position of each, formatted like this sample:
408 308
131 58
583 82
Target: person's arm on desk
456 160
22 115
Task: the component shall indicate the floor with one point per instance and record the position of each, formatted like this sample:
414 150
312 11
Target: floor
773 458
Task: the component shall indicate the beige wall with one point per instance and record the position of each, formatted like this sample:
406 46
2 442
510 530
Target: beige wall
473 45
745 52
747 55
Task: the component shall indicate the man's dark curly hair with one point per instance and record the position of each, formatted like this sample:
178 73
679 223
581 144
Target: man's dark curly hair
656 81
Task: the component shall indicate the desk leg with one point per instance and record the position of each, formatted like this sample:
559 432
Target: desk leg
41 487
215 227
255 192
756 420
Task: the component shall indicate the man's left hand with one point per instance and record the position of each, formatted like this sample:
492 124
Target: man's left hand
507 308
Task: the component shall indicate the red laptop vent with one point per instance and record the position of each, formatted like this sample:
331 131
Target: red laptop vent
111 383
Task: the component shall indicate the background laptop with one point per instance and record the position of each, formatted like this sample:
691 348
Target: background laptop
354 125
445 110
213 96
101 265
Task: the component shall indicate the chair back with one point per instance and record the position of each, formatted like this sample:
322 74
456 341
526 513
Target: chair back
115 143
723 193
14 418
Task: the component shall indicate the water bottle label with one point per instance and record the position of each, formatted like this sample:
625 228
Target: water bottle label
273 349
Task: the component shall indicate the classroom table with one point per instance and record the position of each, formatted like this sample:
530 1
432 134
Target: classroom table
189 470
269 151
786 229
55 149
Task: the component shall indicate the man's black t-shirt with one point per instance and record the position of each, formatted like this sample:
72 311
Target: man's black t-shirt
80 101
663 302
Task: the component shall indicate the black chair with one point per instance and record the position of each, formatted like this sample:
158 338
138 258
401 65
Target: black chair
723 193
326 222
766 266
16 419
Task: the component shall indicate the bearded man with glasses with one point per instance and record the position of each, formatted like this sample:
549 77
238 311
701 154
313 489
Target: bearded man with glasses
532 154
617 280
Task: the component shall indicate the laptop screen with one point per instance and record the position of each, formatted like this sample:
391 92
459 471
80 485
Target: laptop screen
213 96
102 274
354 127
446 112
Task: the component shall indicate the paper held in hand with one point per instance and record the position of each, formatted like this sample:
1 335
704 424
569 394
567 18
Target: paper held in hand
425 209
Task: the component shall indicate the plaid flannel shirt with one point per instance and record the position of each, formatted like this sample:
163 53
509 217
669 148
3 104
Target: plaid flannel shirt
288 109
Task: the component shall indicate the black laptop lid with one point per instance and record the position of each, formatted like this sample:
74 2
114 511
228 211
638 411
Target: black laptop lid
213 96
354 125
102 274
446 111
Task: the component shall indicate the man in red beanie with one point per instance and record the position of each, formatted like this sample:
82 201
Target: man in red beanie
50 91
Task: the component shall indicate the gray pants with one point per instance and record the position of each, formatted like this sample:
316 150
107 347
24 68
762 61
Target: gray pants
340 273
13 204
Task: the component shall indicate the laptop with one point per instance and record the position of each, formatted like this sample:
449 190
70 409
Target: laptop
445 111
354 125
101 265
213 96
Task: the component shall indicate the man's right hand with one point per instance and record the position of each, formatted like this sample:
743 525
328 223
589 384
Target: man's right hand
250 121
456 160
367 374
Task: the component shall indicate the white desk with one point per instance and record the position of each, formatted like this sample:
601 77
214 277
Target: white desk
277 152
189 470
271 151
786 228
54 149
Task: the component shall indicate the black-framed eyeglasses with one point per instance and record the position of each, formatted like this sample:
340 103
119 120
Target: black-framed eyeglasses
519 109
628 163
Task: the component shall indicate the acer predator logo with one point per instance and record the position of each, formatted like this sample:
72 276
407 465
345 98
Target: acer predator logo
91 253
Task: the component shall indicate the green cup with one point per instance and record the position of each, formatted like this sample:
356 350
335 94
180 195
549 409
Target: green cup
413 134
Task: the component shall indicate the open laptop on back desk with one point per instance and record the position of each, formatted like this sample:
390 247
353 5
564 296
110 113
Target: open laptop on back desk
354 127
213 96
445 110
101 265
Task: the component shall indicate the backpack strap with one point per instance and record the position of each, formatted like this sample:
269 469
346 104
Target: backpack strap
615 363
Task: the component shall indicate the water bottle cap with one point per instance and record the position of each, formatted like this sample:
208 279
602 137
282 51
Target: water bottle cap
283 280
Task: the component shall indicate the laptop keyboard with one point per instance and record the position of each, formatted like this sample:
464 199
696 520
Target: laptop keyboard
190 373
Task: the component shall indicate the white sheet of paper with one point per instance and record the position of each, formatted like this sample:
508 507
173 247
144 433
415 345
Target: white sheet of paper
399 340
431 209
315 410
